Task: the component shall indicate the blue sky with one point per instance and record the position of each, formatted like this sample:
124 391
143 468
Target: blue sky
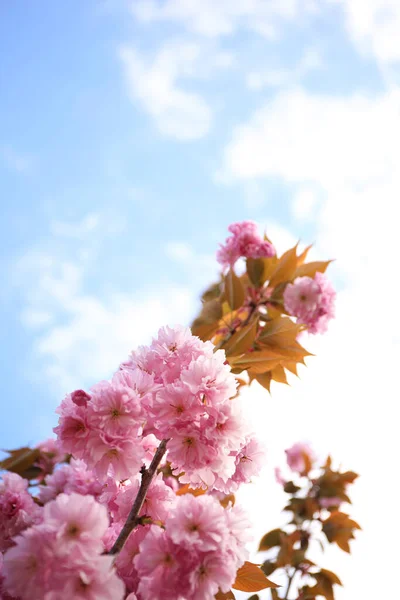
133 133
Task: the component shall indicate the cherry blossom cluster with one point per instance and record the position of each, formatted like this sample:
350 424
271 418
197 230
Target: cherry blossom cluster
62 556
245 242
176 389
311 301
17 508
198 552
194 545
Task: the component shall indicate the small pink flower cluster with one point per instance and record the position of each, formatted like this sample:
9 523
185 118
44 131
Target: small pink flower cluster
298 455
72 477
50 456
17 508
62 556
311 301
176 389
244 242
198 553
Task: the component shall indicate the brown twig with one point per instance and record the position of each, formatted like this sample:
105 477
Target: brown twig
133 517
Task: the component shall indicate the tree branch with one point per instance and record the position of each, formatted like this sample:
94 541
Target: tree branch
133 517
291 577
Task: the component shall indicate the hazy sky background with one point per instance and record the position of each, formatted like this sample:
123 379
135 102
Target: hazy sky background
131 135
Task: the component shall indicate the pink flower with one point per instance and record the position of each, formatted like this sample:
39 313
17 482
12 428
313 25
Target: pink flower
279 477
214 572
72 429
92 580
80 398
50 456
158 568
311 301
174 406
239 527
198 522
74 477
245 241
79 521
158 502
299 457
116 410
17 508
210 379
28 564
124 456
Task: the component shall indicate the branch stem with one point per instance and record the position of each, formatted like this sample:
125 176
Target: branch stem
133 517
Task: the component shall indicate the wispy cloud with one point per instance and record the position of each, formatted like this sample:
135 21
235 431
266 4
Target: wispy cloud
155 85
225 17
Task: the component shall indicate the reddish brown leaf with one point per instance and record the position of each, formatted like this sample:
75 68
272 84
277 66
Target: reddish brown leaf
20 460
271 539
250 578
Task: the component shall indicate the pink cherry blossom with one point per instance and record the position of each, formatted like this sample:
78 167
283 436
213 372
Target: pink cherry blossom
158 568
28 564
91 580
214 571
198 522
210 379
244 242
79 521
73 477
279 476
311 301
17 508
297 457
117 411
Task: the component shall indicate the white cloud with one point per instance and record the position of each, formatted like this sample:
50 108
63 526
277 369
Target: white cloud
374 26
346 149
157 86
310 61
304 203
83 337
224 17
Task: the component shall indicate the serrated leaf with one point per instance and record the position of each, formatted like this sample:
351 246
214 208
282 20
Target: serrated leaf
278 374
270 539
264 379
310 269
302 257
250 578
234 290
285 268
257 361
242 340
